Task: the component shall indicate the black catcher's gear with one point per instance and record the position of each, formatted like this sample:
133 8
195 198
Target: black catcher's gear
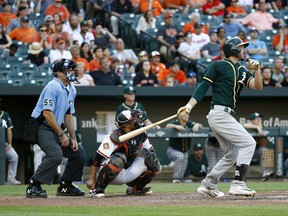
232 46
151 159
126 116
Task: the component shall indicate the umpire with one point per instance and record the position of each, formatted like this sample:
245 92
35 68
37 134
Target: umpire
56 105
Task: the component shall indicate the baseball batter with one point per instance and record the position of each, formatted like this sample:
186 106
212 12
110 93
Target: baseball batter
133 162
227 78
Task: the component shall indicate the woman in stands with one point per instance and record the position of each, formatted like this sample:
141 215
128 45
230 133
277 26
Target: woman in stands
5 40
85 52
145 77
146 21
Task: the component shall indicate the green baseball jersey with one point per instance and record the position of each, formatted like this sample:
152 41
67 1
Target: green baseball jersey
227 80
5 121
134 106
195 167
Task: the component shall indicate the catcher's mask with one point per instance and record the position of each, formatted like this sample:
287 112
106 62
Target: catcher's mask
68 67
127 116
232 46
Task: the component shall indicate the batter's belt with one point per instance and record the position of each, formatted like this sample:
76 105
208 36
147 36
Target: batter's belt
224 108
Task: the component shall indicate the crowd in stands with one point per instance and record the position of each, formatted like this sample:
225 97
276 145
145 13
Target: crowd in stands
188 35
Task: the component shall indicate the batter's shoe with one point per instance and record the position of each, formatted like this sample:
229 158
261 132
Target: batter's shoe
71 190
35 191
144 191
239 188
210 192
99 193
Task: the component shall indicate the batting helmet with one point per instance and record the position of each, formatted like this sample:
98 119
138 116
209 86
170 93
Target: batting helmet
231 46
130 115
64 65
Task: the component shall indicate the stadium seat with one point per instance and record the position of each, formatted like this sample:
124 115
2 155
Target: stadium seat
6 82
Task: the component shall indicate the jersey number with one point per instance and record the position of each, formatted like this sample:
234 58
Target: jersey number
48 102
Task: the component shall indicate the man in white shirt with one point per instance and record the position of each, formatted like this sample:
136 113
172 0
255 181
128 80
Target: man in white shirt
59 52
84 35
199 37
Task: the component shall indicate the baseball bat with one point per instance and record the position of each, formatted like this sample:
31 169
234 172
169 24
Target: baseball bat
143 129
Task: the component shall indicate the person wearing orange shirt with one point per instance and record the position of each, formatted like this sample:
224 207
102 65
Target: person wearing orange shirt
57 7
156 66
94 64
195 18
280 40
180 5
6 16
24 33
153 5
42 37
75 52
235 9
174 71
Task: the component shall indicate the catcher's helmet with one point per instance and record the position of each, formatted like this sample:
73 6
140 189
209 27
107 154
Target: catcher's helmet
65 65
231 46
128 116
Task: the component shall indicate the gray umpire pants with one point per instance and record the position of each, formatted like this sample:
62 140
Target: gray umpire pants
237 144
50 144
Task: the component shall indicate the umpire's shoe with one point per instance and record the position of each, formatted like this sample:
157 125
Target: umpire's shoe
144 191
69 190
35 191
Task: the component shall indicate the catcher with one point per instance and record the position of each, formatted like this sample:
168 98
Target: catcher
133 162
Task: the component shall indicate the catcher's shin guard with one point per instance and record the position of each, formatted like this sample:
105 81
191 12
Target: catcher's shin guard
144 179
111 170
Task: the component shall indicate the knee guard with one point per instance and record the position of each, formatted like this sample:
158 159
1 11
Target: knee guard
111 170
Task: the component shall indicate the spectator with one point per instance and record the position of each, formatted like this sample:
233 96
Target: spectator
197 3
195 18
246 4
107 53
156 66
75 52
221 36
257 49
197 164
10 51
235 9
181 6
261 20
170 81
36 55
199 37
58 7
10 153
267 78
191 80
277 73
84 35
6 16
173 70
98 9
94 64
231 27
213 152
24 33
104 76
118 7
57 18
59 33
145 77
284 83
143 55
255 122
104 37
59 52
126 56
16 22
242 35
23 3
5 40
83 78
147 21
42 37
49 23
212 49
154 5
73 25
280 40
177 151
213 7
85 52
166 34
176 44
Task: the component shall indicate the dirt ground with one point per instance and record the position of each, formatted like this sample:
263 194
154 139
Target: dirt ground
156 199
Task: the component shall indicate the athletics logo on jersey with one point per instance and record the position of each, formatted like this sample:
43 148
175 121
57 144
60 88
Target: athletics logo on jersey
106 146
243 78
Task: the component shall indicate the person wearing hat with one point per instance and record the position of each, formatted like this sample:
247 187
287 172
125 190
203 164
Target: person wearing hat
59 52
6 16
280 40
131 104
231 27
191 80
58 7
212 49
142 56
235 8
156 66
24 33
16 22
84 35
198 37
255 123
257 49
36 55
194 18
42 37
197 164
213 7
178 149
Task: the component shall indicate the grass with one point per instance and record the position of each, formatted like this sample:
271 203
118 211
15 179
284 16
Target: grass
231 209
